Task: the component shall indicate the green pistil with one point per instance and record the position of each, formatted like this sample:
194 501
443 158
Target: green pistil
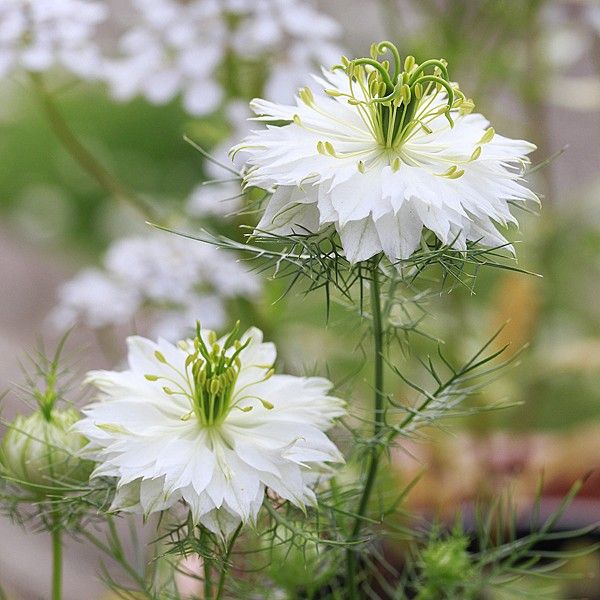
398 99
214 372
211 372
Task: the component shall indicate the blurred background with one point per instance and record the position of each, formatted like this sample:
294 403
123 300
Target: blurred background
95 101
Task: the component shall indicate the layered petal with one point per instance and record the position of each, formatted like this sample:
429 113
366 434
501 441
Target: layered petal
344 157
147 430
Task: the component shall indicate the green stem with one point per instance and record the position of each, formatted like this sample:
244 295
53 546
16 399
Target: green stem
84 157
208 586
226 565
56 560
377 426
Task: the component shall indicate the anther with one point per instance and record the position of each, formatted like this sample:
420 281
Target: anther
476 153
307 96
268 405
488 135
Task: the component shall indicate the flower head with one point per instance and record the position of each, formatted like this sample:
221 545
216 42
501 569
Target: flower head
381 150
208 422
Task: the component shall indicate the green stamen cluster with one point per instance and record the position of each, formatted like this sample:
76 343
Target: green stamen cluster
211 372
396 99
214 372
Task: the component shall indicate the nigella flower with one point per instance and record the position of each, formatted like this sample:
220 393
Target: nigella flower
207 422
381 151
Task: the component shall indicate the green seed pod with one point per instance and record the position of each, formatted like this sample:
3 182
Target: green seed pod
40 455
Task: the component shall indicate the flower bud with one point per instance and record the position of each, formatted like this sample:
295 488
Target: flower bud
446 567
41 455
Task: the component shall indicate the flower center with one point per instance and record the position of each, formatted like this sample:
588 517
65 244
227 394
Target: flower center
214 372
210 375
396 100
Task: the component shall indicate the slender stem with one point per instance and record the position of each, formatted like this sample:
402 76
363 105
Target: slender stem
226 565
84 157
208 586
56 559
377 426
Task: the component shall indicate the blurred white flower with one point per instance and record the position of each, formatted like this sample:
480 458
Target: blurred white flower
382 152
175 322
207 422
97 298
171 278
238 117
293 34
170 267
172 48
217 200
225 196
36 35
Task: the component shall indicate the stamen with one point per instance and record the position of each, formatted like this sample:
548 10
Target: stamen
488 135
476 153
396 101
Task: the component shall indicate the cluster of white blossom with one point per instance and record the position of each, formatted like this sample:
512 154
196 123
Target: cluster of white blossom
292 35
165 48
381 150
173 280
37 35
171 48
174 48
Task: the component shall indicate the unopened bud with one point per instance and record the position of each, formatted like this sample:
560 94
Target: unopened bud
41 455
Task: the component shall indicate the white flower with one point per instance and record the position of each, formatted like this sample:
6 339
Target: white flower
97 298
169 278
173 323
169 267
175 48
172 48
382 152
295 36
207 422
36 35
215 200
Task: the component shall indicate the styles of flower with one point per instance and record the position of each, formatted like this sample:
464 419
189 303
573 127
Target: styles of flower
209 423
381 150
